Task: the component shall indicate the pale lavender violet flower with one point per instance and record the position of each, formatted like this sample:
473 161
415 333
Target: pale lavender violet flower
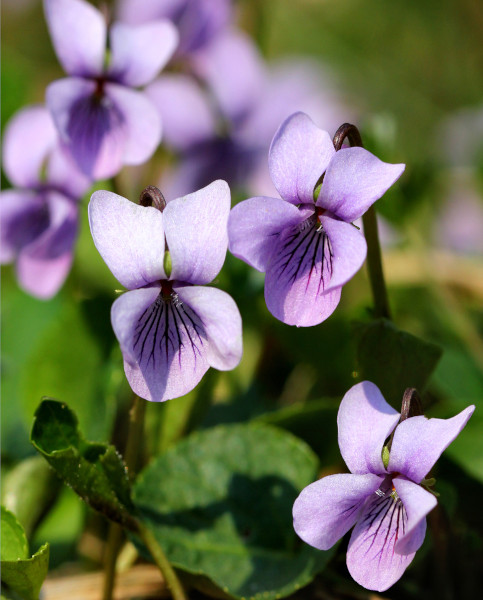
39 219
387 505
197 21
100 118
169 327
308 247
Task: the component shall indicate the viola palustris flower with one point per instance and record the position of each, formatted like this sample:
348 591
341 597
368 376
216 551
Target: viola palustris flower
101 119
39 218
383 497
169 327
307 245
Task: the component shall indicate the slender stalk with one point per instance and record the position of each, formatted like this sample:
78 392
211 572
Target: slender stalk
131 459
162 562
369 220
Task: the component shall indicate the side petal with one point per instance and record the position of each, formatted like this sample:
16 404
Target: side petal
43 265
326 509
298 273
418 443
141 121
185 111
253 227
24 216
354 180
129 237
221 321
29 138
63 173
349 250
163 343
417 502
371 557
140 52
299 155
236 89
78 32
92 127
364 421
196 233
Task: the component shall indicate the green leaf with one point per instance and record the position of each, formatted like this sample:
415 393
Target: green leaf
95 471
394 360
22 575
220 504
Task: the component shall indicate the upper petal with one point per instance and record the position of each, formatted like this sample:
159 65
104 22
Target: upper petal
141 122
196 233
364 421
418 443
371 557
129 237
29 138
221 321
140 52
253 227
298 275
92 127
326 509
299 155
185 110
349 249
354 180
417 502
163 342
78 32
236 89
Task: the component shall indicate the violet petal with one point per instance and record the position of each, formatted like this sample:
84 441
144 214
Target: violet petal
364 421
326 509
417 502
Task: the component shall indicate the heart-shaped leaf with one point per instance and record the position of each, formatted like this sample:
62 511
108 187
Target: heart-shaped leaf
220 503
22 575
95 471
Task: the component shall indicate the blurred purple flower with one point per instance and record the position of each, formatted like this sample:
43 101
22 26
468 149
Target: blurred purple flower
170 329
387 505
101 119
198 21
226 133
309 249
39 220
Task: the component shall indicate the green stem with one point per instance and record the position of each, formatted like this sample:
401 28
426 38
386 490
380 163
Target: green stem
369 220
162 562
374 265
131 459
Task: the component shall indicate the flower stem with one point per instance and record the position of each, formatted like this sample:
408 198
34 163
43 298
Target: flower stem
162 562
131 459
369 220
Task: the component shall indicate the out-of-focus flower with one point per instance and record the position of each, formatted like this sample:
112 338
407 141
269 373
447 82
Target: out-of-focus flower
307 245
460 137
385 500
458 226
39 220
170 329
225 132
197 21
100 118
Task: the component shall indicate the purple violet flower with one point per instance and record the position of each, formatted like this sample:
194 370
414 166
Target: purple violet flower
198 21
169 327
308 247
101 119
39 219
385 500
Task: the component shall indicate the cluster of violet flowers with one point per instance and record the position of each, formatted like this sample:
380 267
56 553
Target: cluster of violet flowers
170 323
